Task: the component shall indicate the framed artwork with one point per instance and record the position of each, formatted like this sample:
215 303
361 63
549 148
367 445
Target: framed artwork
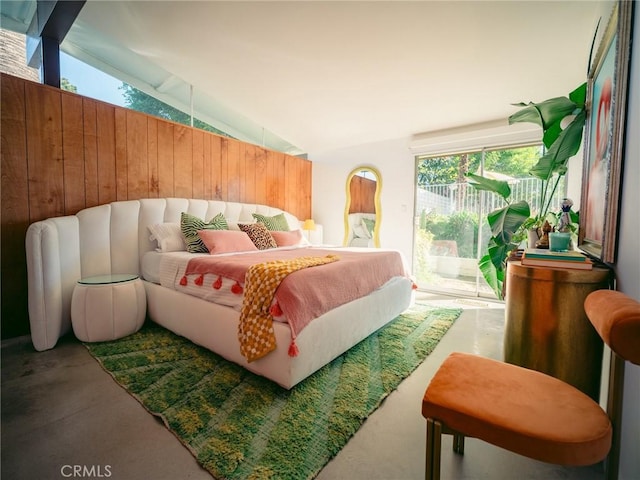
605 126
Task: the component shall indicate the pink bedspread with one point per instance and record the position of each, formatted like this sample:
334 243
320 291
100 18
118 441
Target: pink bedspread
308 293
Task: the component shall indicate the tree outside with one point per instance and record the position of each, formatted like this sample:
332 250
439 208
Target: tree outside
138 100
65 84
450 226
453 168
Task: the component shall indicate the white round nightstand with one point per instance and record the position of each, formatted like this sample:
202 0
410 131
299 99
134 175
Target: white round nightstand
108 307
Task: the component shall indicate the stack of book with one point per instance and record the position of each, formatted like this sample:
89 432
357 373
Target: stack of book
546 258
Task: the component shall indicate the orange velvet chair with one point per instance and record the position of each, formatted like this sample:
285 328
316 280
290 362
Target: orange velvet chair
528 412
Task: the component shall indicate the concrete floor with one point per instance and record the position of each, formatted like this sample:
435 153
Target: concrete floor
61 411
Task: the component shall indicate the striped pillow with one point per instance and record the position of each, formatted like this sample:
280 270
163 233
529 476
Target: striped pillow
277 222
190 224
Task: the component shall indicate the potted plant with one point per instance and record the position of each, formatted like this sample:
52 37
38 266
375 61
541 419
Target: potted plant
562 121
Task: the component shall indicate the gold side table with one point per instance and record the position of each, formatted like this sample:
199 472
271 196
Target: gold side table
546 327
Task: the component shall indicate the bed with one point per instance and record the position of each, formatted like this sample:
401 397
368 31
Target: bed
115 238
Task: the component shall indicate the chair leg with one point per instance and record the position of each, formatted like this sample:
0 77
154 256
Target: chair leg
434 441
458 443
614 410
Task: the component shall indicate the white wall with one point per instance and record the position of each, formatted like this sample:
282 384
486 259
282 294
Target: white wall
628 264
395 163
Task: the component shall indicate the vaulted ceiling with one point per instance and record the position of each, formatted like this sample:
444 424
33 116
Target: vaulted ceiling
314 76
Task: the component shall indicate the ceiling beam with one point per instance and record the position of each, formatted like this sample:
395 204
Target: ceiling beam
50 24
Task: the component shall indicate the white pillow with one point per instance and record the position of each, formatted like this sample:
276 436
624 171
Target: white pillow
169 237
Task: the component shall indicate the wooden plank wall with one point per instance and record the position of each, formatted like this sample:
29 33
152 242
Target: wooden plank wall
363 194
62 152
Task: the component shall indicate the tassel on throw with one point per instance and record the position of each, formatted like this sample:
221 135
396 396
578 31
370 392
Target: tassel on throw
275 310
200 280
237 289
183 281
293 349
218 283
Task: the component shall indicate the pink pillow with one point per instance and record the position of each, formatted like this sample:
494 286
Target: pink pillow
287 239
226 241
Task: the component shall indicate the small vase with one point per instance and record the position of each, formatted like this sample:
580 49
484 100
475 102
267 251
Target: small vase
532 237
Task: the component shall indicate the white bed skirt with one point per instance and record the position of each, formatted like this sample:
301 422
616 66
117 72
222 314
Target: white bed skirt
215 327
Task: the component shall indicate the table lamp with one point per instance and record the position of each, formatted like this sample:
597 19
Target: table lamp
307 226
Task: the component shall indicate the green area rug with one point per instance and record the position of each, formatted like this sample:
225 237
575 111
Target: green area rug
241 426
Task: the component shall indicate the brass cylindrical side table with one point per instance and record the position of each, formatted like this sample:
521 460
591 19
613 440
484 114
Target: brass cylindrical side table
546 327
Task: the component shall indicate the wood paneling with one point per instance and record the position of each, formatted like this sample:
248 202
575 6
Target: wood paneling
216 168
183 161
198 164
62 152
233 170
73 136
363 191
165 160
106 141
120 127
90 151
137 174
152 156
208 190
44 162
14 207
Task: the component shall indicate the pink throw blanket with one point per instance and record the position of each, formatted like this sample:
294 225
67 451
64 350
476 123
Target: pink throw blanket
308 293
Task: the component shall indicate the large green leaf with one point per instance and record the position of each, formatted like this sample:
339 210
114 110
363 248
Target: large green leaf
499 253
565 147
494 276
579 95
490 274
506 221
499 187
545 113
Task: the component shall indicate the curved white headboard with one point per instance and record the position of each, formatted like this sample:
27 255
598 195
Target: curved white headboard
110 238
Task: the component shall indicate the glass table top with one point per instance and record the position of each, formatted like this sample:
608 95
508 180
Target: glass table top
108 279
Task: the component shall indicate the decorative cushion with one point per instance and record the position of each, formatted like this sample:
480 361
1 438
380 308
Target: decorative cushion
169 237
259 235
277 222
190 224
226 241
359 231
288 239
369 224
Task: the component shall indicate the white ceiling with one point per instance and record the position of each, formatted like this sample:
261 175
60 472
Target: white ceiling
326 75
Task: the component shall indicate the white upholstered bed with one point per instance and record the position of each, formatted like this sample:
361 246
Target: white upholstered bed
114 238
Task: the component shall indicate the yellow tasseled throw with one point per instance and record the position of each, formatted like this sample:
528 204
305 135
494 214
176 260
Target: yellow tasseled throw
255 331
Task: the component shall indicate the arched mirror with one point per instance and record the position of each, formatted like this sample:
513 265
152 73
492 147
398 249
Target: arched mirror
362 212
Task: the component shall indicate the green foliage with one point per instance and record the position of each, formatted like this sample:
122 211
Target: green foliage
444 170
516 162
499 187
438 171
423 220
423 268
460 226
65 84
508 223
505 222
138 100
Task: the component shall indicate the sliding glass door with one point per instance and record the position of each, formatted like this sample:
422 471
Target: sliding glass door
450 229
